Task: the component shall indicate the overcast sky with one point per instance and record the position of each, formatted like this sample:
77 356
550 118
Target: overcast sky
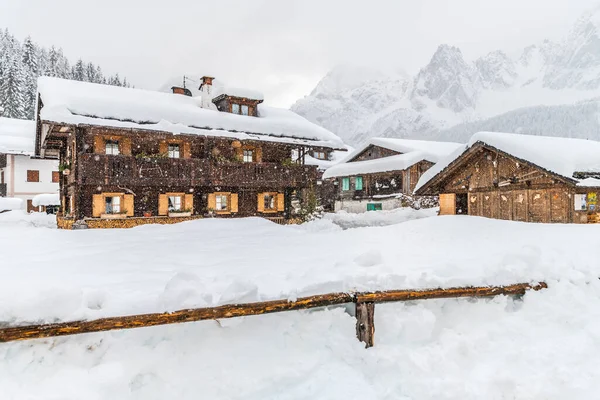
281 47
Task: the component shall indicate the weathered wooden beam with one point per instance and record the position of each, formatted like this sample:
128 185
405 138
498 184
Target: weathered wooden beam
365 323
239 310
482 291
144 320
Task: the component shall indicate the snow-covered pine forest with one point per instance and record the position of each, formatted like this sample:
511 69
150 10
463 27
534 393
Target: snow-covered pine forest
22 63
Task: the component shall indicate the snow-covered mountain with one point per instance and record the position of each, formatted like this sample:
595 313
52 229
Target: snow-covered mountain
447 98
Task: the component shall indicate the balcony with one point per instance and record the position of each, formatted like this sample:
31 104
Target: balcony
99 169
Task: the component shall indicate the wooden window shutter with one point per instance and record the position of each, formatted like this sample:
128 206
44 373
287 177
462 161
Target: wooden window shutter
234 202
261 202
187 150
188 202
239 153
163 147
98 205
163 204
280 202
33 175
447 204
99 145
129 205
125 146
212 201
258 155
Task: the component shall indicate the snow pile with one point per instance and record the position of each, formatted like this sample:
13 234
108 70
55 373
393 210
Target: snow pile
543 346
562 156
238 92
23 218
412 152
10 203
46 199
347 220
16 136
136 274
72 102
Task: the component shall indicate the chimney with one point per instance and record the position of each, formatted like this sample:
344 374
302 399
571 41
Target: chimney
181 90
206 91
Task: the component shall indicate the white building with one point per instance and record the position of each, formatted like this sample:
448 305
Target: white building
21 175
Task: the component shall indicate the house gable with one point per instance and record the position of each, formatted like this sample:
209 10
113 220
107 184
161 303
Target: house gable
373 152
484 167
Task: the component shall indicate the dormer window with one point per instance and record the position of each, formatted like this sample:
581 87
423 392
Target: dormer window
244 110
320 155
235 108
248 156
112 147
173 151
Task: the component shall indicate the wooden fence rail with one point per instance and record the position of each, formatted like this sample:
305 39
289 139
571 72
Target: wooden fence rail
365 310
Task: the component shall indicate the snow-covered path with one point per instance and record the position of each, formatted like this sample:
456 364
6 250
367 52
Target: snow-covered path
545 346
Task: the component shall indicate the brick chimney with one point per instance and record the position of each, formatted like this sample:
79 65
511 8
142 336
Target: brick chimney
181 90
206 91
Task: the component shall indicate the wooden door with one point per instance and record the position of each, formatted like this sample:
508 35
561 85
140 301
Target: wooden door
539 207
519 205
487 205
474 204
559 206
505 205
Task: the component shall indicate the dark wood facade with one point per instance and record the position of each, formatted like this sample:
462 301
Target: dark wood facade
487 182
210 176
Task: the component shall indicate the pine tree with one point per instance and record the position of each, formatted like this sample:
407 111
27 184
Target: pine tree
11 94
78 73
30 73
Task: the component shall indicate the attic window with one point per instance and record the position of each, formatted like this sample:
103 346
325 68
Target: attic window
244 110
248 155
241 109
320 155
112 147
235 108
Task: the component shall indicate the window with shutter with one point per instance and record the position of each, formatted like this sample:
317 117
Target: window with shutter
33 176
345 183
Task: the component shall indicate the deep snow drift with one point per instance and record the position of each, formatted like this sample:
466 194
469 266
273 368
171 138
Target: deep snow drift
544 346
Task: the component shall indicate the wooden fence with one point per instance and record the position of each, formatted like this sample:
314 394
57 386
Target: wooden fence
364 303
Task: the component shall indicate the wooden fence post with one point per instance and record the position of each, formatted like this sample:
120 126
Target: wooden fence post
365 323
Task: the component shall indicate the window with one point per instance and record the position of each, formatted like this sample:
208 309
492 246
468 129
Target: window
374 207
174 203
112 147
320 155
244 110
173 151
55 176
221 202
235 108
358 183
112 205
581 202
345 183
33 175
269 202
248 155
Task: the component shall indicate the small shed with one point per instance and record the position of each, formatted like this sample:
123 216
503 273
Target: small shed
518 177
384 172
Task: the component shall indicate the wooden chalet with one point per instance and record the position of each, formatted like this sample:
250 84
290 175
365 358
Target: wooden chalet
130 156
519 177
382 173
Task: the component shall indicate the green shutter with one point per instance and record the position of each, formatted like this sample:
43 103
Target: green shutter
358 183
345 183
374 207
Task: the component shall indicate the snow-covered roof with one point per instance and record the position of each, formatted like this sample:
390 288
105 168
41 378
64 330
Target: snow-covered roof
46 199
413 151
562 156
82 103
238 92
17 136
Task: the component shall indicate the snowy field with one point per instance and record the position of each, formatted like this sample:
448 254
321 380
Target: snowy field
545 346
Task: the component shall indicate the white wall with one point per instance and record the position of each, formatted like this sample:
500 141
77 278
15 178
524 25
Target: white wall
15 176
359 206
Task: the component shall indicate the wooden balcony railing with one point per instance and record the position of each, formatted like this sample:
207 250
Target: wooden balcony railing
99 169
